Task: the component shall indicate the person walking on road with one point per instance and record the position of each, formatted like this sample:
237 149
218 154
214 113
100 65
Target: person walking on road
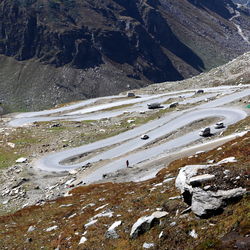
127 163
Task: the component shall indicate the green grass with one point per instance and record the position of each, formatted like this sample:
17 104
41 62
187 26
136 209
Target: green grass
118 107
25 141
55 129
7 158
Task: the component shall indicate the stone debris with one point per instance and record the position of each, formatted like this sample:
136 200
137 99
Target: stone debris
104 214
82 240
148 245
201 178
66 205
92 222
101 207
31 229
182 181
168 179
72 216
51 228
161 234
12 145
175 197
193 234
21 160
111 232
144 223
172 224
69 182
130 121
227 160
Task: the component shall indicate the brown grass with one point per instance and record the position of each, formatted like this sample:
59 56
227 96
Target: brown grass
131 201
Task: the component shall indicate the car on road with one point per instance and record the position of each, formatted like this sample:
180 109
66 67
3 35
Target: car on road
144 137
199 91
155 105
205 132
173 105
219 125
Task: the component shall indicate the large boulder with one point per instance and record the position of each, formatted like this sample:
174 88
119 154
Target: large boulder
204 203
144 223
111 232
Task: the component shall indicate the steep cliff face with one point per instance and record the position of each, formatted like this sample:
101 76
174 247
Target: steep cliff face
102 47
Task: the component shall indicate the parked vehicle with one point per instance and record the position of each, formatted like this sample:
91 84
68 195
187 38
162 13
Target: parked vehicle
219 125
155 105
144 137
205 132
130 94
173 105
200 91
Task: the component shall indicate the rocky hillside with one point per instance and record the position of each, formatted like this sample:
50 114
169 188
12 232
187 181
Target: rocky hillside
243 2
60 50
149 214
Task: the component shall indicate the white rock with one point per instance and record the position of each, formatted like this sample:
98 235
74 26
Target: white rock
72 172
31 229
130 121
115 225
72 216
161 234
168 179
148 245
201 178
210 161
207 187
104 214
12 145
82 240
111 233
227 160
203 203
101 207
185 173
144 223
51 228
92 222
175 197
199 152
66 205
21 160
158 184
193 234
69 182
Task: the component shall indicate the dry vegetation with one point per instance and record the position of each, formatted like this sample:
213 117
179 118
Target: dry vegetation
128 202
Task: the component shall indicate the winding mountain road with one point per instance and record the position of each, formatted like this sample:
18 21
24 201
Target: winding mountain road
128 145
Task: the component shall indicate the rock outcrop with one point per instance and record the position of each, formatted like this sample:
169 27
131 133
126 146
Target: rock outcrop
204 202
144 223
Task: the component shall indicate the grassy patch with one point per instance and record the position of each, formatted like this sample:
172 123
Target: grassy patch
7 157
118 107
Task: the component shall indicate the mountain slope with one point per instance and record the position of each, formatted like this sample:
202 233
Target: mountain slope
62 50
